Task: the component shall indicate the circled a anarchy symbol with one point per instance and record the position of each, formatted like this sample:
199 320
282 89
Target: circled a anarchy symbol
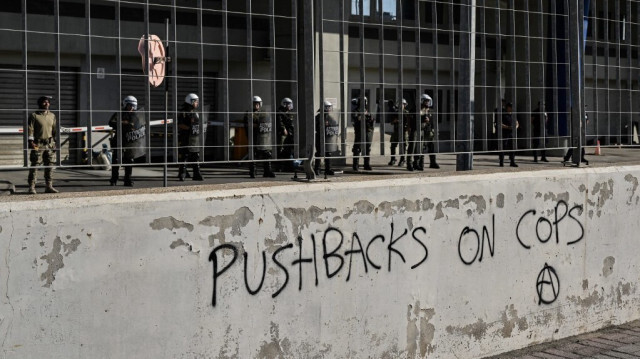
548 285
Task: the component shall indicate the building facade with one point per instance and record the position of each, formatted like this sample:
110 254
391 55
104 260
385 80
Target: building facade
467 55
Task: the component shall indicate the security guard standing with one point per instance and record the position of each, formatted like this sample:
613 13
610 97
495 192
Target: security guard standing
42 127
134 131
428 132
328 139
189 143
285 128
362 140
262 129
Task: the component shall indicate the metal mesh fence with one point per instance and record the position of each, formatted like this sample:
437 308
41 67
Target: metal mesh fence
394 78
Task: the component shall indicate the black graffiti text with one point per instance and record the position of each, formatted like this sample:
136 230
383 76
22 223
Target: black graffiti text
545 228
332 251
471 240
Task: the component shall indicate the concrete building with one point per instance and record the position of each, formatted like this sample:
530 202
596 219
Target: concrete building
467 55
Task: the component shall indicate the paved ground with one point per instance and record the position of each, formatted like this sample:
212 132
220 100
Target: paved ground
619 342
150 178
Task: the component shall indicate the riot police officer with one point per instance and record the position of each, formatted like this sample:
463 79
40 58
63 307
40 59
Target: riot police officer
42 128
509 125
189 143
395 136
327 132
262 129
362 139
132 137
285 129
428 132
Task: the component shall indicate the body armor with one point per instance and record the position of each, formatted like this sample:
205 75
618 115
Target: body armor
262 128
331 135
190 138
133 134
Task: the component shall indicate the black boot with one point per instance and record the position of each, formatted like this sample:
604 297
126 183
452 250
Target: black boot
316 167
267 170
356 164
392 161
409 166
401 161
535 156
501 159
252 170
327 167
420 162
544 157
114 175
197 176
432 162
181 171
127 176
367 164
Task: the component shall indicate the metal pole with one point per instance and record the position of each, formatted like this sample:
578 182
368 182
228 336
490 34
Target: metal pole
165 182
576 15
466 80
305 83
25 67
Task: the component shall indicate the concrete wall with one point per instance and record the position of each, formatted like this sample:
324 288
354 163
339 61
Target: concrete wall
439 267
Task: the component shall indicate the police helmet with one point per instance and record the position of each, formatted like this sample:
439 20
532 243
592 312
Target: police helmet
130 100
328 106
356 101
404 102
257 99
41 99
288 103
191 98
426 98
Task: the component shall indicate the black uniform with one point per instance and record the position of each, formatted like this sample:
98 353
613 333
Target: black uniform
428 136
362 140
134 131
285 131
539 133
397 132
189 140
262 143
329 140
507 137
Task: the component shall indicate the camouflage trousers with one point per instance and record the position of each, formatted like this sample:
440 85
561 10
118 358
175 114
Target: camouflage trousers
45 155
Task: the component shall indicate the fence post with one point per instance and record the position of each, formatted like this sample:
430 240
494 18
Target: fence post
464 124
576 48
305 84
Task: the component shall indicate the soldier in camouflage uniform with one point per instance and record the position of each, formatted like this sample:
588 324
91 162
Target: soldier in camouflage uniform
41 131
262 132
